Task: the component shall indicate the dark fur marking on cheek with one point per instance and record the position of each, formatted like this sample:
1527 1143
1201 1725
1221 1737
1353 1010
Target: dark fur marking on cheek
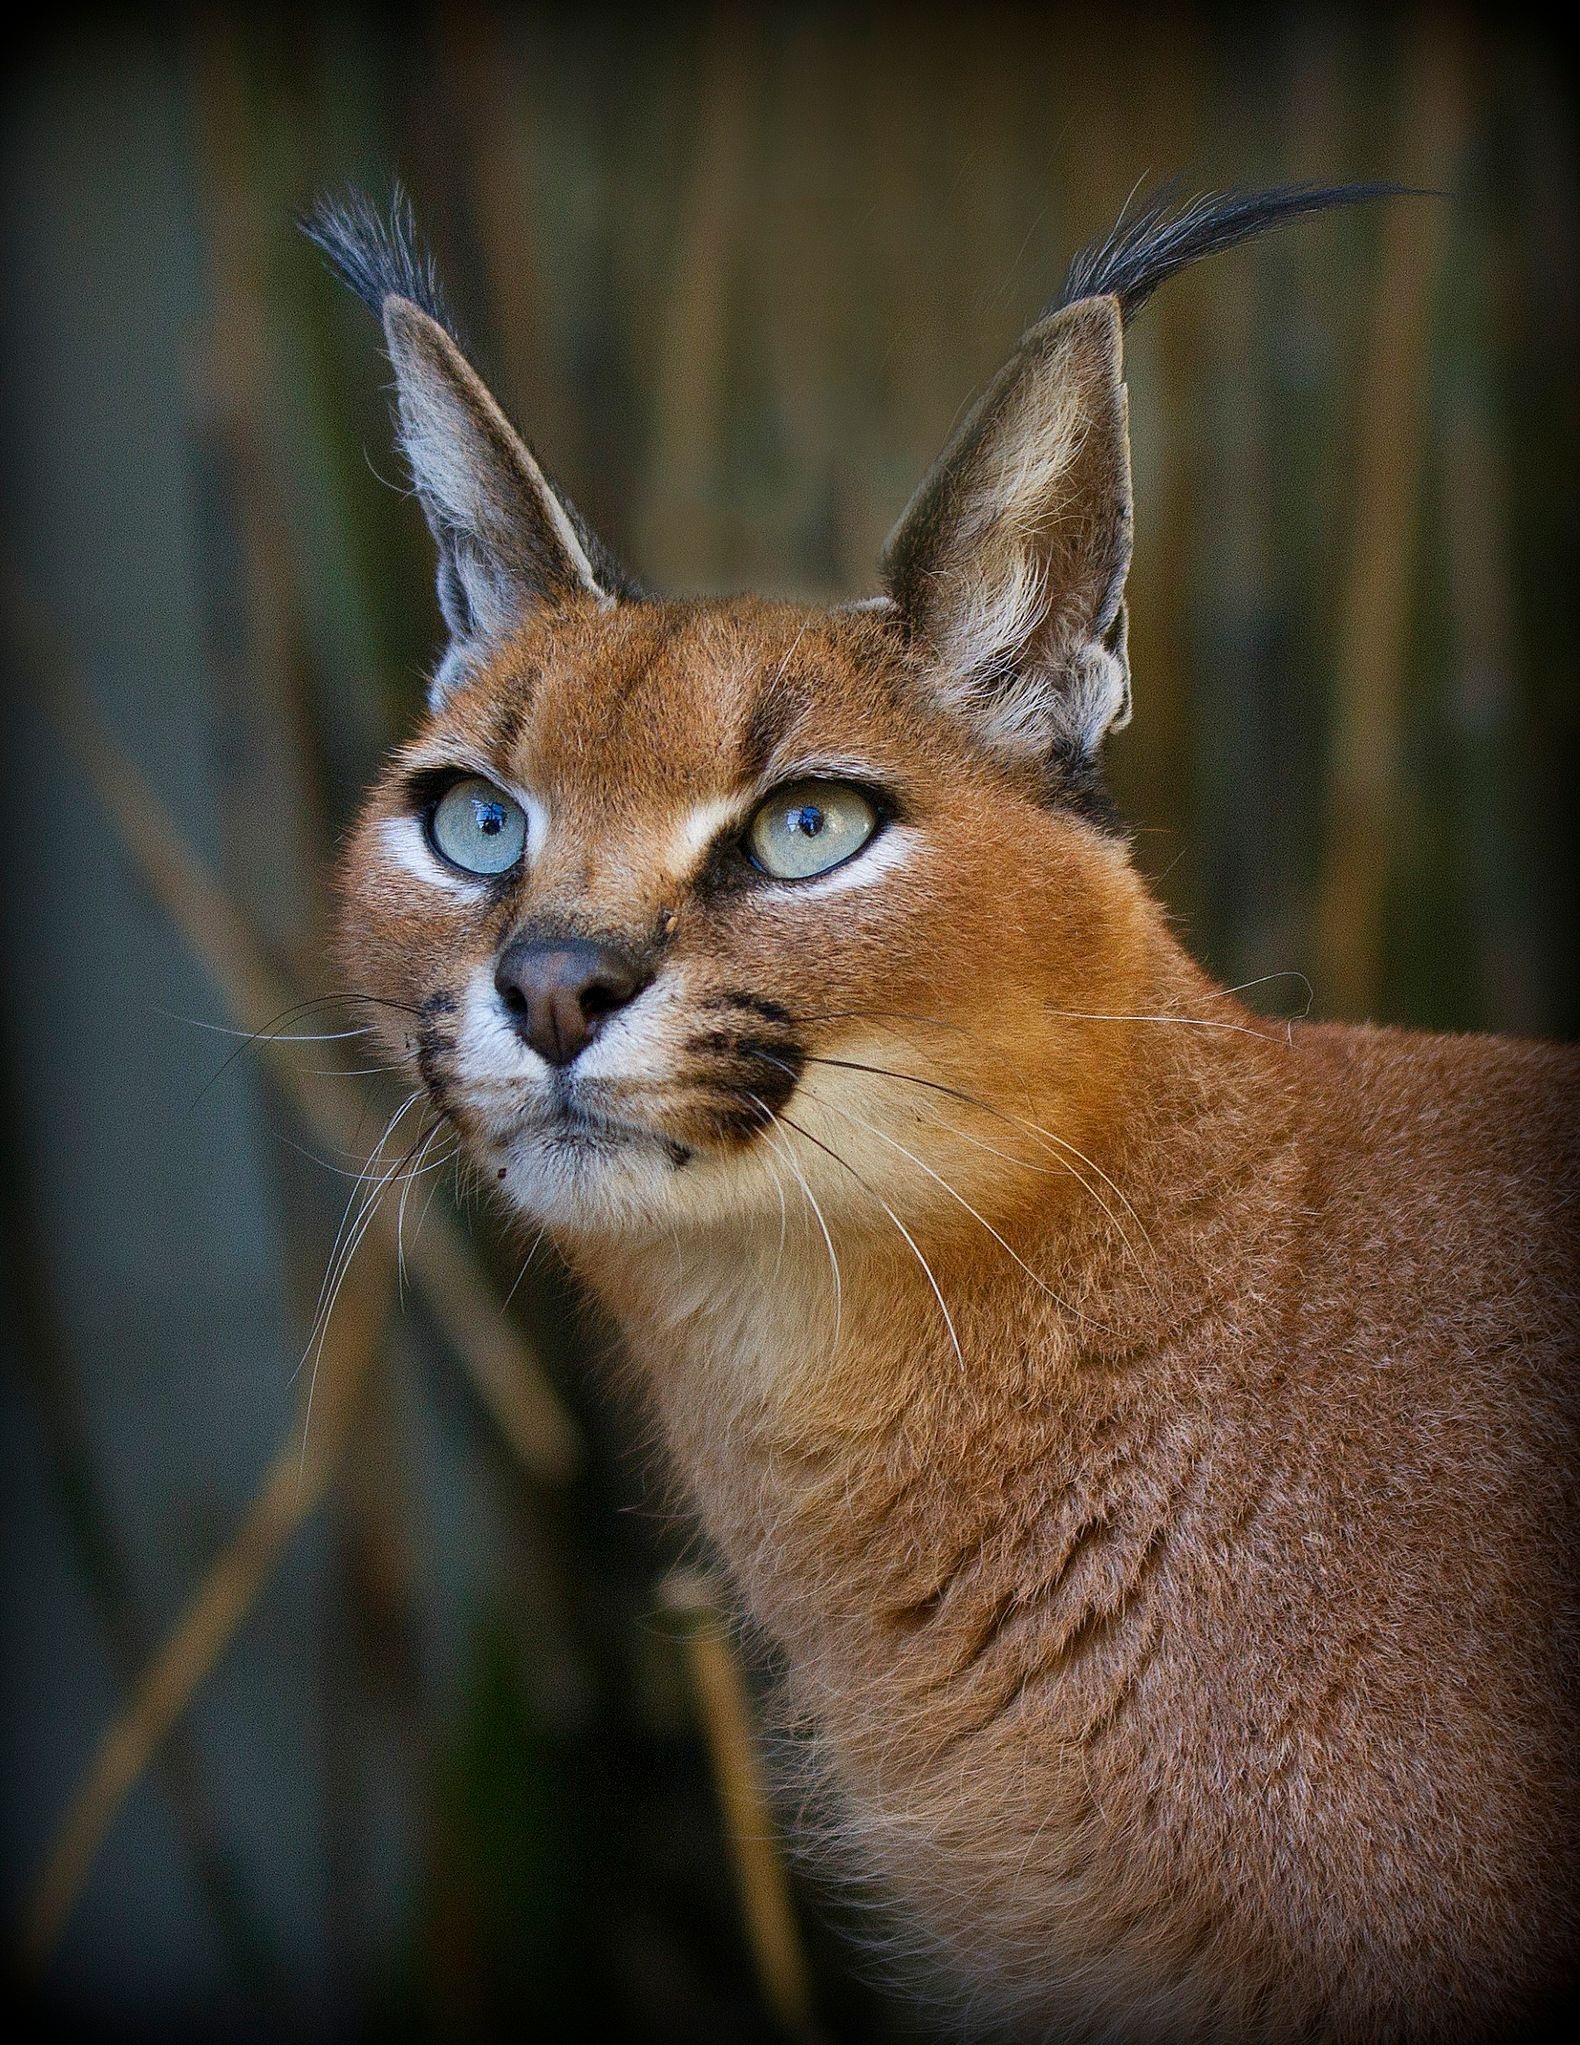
771 1050
440 1002
770 1011
745 1119
432 1047
773 1069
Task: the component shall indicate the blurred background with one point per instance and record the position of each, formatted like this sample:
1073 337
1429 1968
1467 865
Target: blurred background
415 1721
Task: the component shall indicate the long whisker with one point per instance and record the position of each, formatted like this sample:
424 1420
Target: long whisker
359 1229
295 1013
1189 1022
419 1166
349 1071
364 1222
828 1240
436 1172
270 1033
922 1165
1289 973
527 1262
900 1225
784 1222
368 1171
1046 1136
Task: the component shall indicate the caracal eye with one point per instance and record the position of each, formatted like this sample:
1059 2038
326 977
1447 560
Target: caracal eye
808 827
479 828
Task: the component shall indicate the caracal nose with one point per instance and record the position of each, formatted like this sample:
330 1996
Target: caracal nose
558 992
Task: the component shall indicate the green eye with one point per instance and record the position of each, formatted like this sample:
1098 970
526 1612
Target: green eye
809 827
478 827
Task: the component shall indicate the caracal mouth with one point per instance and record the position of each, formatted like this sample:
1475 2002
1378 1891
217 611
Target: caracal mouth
567 1126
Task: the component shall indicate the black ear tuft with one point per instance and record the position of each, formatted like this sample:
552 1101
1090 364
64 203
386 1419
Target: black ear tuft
1163 238
379 255
509 542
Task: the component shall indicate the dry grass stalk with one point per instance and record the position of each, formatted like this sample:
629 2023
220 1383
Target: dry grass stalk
486 79
748 1821
47 1367
507 1376
1376 613
681 534
1482 613
295 1483
272 809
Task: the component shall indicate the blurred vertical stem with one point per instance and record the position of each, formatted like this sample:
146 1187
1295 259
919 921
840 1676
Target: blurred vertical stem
484 72
295 1482
748 1820
681 531
274 811
275 822
46 1362
1495 779
1375 620
527 1409
505 1373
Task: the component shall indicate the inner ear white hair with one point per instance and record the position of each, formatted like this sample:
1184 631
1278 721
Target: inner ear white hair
1009 563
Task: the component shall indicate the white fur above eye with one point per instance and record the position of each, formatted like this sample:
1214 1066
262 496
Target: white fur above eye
696 830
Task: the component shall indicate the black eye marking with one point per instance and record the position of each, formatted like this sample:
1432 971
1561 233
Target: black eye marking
728 870
426 787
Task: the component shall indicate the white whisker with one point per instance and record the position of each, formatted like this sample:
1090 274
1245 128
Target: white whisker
1045 1136
833 1259
900 1225
1193 1022
938 1178
364 1222
370 1167
418 1167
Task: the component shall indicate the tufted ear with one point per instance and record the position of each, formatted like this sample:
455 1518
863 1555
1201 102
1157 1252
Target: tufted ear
1008 566
508 541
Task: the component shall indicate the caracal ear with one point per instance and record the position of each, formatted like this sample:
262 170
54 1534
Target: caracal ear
1008 566
509 542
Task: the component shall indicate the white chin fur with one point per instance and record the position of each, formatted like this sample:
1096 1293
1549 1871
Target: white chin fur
614 1184
629 1188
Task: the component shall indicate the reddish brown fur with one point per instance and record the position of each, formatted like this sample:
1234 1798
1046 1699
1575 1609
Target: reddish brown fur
1148 1433
1191 1654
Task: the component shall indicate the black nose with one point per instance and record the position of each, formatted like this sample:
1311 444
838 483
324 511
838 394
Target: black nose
558 992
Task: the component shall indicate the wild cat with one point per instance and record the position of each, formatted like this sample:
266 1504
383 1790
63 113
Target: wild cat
1146 1433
